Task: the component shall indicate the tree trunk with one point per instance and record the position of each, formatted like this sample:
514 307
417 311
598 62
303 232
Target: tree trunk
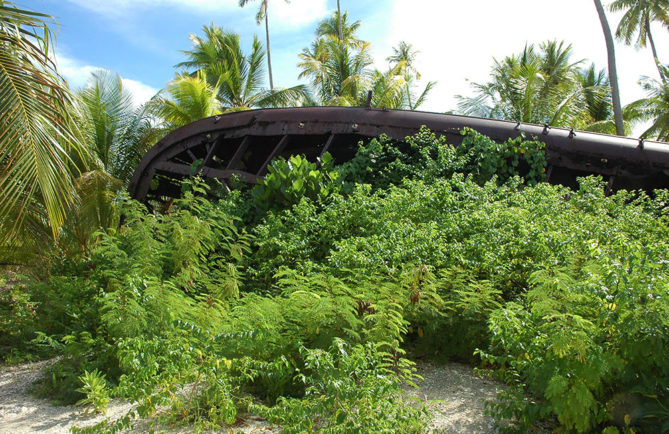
341 34
613 73
652 47
269 55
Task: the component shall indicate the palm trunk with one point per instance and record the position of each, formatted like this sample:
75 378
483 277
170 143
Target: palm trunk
269 55
652 47
613 73
341 33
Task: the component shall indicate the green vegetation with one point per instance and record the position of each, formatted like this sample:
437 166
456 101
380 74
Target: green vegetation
340 74
307 308
655 107
636 23
302 298
38 137
186 99
544 86
425 156
287 182
236 78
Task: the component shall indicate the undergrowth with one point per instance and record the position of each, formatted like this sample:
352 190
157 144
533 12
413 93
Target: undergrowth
297 300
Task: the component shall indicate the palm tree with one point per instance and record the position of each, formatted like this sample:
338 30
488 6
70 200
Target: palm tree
596 93
613 72
118 135
537 86
387 89
393 89
238 77
38 137
412 100
262 14
404 55
338 68
330 28
655 107
403 61
339 73
597 113
313 62
639 14
185 100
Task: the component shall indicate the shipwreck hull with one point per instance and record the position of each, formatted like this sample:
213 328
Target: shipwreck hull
243 144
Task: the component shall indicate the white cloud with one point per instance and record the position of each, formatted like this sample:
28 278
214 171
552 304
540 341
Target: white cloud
141 92
75 73
297 12
78 74
458 40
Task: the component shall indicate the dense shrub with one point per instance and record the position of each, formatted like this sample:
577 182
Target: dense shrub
17 321
350 389
302 312
161 311
424 156
489 244
136 282
590 337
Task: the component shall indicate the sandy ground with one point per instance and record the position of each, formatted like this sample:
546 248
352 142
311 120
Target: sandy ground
455 397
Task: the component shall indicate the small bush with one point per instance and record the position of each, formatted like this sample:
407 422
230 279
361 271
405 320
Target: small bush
288 181
95 388
349 389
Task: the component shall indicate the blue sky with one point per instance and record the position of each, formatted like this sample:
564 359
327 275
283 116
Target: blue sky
141 39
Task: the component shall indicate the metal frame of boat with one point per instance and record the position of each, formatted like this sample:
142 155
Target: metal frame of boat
243 144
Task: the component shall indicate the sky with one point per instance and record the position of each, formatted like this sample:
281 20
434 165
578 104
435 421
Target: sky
457 40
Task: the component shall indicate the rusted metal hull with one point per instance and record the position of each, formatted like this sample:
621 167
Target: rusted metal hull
243 144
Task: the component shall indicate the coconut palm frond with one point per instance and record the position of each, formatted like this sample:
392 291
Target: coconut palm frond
635 24
328 29
236 78
185 100
484 104
415 102
289 97
539 85
117 133
38 138
654 108
95 209
387 90
35 237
